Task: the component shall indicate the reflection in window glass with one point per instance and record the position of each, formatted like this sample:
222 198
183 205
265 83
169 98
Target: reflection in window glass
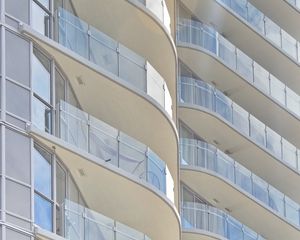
41 75
42 172
40 20
43 212
41 116
45 3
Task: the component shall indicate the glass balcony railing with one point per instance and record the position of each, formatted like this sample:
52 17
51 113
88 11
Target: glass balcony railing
264 26
199 154
199 93
81 223
111 145
204 217
95 46
160 10
108 144
200 35
294 3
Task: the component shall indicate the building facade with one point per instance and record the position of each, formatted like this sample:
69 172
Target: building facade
149 119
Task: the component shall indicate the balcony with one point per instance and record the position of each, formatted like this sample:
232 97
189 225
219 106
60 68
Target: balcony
290 8
81 223
95 152
160 10
246 81
257 35
105 52
199 158
113 83
146 29
200 219
252 143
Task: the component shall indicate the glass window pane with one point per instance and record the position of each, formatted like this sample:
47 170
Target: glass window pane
41 75
18 99
40 20
45 3
43 213
41 115
42 171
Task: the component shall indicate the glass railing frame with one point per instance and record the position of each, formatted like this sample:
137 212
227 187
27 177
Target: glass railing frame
163 15
65 216
163 183
295 4
149 71
206 211
235 167
263 33
295 167
187 24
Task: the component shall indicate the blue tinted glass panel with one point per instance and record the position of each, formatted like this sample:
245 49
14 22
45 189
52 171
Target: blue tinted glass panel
43 212
42 172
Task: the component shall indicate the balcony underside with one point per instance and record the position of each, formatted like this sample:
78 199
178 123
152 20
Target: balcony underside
132 24
135 203
282 13
241 206
195 234
241 148
117 103
248 40
269 111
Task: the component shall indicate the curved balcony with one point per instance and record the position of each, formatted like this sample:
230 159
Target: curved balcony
201 158
254 33
288 17
113 83
246 81
96 153
81 223
146 29
251 142
200 219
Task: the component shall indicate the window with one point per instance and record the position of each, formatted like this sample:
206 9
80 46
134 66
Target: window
43 202
49 207
41 17
41 84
